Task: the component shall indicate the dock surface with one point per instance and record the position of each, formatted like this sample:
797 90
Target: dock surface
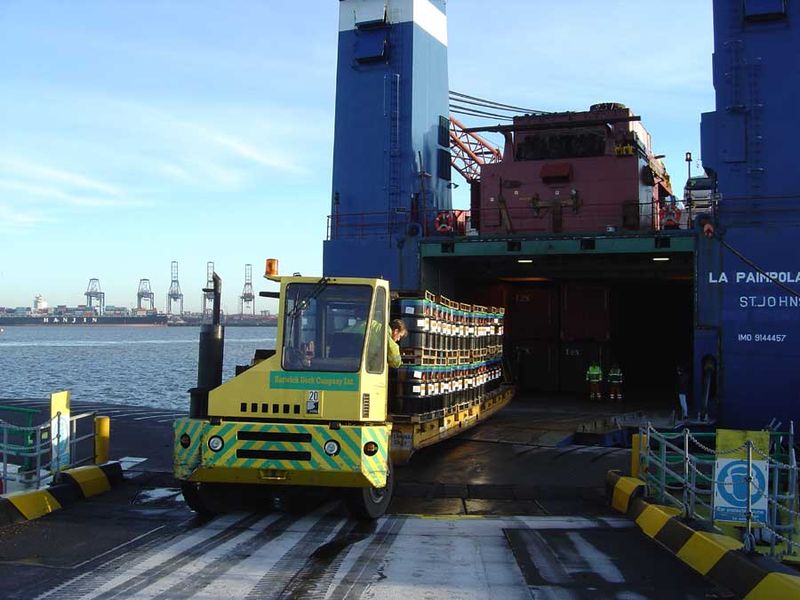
475 517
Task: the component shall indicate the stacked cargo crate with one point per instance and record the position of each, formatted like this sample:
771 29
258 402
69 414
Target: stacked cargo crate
452 355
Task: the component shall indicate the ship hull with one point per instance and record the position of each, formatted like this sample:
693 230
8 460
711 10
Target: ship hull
145 321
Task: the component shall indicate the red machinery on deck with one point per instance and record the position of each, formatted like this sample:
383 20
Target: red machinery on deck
591 171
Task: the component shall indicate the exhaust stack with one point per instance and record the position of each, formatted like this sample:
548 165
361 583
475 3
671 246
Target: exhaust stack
209 362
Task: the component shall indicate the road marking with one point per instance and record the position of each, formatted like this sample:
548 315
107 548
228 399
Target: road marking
459 567
183 546
128 462
599 562
244 574
355 579
325 555
169 580
156 494
119 547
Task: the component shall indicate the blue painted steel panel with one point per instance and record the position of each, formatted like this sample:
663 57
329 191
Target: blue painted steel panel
750 323
759 320
764 8
387 118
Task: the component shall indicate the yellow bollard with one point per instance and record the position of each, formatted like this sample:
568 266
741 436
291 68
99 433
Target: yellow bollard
637 441
102 437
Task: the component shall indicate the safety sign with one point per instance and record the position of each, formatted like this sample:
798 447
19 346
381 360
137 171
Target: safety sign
731 489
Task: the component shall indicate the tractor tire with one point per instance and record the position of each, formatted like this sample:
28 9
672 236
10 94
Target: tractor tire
368 504
201 498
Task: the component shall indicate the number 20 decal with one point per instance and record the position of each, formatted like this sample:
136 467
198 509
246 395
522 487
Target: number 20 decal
312 402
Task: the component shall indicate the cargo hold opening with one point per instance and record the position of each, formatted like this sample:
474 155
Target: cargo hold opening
565 311
644 327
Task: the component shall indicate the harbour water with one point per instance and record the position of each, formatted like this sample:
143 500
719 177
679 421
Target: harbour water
142 366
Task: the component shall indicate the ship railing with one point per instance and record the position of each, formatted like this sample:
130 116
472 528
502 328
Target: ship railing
31 455
539 218
680 469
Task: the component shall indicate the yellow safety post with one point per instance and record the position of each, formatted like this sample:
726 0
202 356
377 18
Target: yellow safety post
638 441
102 436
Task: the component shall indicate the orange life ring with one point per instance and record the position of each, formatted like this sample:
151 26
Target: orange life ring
444 222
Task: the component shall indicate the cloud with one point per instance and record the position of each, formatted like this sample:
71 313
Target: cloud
14 220
197 172
194 135
175 172
32 183
39 172
60 196
248 152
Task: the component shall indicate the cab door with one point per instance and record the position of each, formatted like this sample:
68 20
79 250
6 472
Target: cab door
374 375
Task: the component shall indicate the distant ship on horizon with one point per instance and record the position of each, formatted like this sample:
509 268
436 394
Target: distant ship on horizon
41 314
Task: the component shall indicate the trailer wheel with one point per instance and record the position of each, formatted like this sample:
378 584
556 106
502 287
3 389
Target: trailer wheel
199 497
371 503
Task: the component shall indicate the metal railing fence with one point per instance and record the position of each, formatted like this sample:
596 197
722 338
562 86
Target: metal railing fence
567 218
29 456
679 469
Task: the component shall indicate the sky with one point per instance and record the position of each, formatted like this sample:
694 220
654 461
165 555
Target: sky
138 132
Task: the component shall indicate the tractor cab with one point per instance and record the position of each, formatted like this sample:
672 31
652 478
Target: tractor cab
334 327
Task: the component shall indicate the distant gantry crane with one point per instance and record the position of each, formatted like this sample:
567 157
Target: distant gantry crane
93 292
208 297
145 296
248 297
174 294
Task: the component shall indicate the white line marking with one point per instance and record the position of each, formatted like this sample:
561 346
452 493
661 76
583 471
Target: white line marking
163 556
122 545
546 560
245 574
156 494
599 562
130 461
220 552
447 567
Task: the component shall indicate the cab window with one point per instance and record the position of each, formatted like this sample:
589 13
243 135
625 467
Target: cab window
376 342
324 326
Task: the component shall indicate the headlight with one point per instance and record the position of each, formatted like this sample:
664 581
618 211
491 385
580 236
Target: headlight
185 440
215 443
370 448
331 447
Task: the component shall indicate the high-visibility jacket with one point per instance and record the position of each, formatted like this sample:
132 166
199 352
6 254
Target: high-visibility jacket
615 375
393 357
594 374
393 353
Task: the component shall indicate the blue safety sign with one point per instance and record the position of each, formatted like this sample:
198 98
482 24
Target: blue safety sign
731 490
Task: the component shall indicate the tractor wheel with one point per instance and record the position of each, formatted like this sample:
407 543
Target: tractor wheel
201 498
370 503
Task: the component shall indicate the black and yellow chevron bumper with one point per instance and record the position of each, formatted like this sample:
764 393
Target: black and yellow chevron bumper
718 557
68 487
280 453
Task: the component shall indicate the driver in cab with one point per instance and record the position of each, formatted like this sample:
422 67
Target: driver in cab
397 331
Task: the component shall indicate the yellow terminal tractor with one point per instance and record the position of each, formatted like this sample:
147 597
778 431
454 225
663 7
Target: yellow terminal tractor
312 412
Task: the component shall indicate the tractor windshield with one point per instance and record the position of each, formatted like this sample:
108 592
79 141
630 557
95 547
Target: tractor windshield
324 326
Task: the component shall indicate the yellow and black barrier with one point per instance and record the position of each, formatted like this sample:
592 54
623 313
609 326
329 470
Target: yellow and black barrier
67 488
718 557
